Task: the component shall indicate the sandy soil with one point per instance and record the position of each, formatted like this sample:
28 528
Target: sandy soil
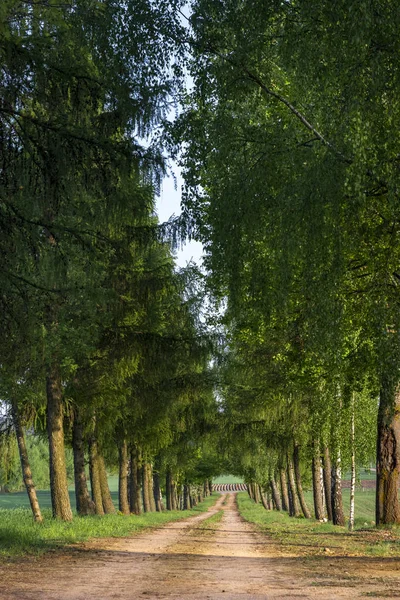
180 560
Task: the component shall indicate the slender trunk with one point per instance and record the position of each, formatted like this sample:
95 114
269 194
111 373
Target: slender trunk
296 461
295 508
84 504
316 478
353 467
134 484
205 489
157 492
388 455
263 499
145 489
60 500
210 489
108 504
174 496
256 493
149 468
186 497
25 466
337 499
275 494
327 471
168 489
123 478
95 476
250 490
284 490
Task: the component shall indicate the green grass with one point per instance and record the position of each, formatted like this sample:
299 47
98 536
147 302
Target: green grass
307 537
364 506
19 535
211 524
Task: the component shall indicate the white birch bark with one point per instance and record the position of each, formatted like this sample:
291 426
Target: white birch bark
353 468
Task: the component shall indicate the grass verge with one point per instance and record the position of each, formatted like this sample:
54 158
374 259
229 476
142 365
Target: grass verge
19 535
307 537
211 524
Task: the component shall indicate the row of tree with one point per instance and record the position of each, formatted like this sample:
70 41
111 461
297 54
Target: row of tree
101 346
291 172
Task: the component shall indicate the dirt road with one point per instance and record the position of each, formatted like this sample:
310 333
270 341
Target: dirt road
183 561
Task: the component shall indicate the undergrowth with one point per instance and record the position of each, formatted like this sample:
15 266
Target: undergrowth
308 537
19 535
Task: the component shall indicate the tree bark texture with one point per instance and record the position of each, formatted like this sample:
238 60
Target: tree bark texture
146 496
316 479
284 490
157 492
108 505
337 499
263 499
84 504
151 487
134 483
123 502
95 476
388 455
276 497
186 497
295 508
297 473
25 465
60 500
168 489
353 468
327 474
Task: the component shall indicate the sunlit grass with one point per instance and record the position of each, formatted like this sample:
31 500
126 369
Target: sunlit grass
20 535
308 537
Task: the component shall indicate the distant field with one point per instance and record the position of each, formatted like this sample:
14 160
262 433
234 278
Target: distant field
227 479
364 505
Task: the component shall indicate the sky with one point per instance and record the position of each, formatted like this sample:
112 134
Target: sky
168 204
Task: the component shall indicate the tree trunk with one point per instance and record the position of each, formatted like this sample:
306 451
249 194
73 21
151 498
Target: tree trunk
295 508
353 467
123 478
296 461
337 499
316 478
168 498
25 466
186 497
108 504
263 499
145 489
84 504
388 455
149 468
276 495
250 490
284 490
60 500
157 492
327 474
95 476
134 483
206 492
